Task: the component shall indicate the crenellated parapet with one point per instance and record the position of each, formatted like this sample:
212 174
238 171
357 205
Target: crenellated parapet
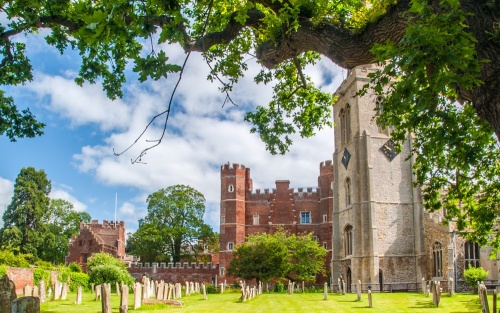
326 167
231 168
175 266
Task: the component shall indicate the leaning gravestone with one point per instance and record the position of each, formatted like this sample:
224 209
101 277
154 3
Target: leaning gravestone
64 291
78 295
26 305
27 291
7 294
137 295
97 292
358 290
36 292
106 298
325 291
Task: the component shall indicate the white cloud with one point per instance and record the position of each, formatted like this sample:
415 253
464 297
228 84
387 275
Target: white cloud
58 193
6 193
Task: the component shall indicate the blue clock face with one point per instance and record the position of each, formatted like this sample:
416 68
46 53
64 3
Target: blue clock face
345 158
389 150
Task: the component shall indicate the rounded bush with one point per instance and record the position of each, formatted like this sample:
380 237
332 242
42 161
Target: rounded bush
78 279
109 273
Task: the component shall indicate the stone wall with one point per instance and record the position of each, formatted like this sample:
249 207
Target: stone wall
176 273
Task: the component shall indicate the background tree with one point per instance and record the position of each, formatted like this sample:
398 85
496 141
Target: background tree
61 222
23 218
440 81
262 257
296 257
172 227
37 225
474 275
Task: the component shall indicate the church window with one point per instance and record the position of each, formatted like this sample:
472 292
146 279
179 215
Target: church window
348 191
348 240
230 188
305 217
437 256
345 124
471 254
230 246
256 219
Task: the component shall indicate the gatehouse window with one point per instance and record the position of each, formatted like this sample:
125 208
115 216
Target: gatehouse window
256 219
230 246
437 256
305 217
348 240
325 218
471 254
230 188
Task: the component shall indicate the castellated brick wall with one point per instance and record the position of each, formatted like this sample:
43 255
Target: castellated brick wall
245 212
176 273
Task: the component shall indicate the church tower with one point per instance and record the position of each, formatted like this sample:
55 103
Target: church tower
377 213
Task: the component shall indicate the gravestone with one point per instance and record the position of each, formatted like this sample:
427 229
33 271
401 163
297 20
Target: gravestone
424 285
124 299
370 301
42 291
325 291
106 298
483 298
494 309
36 292
340 285
187 289
451 286
64 291
137 295
57 290
144 289
7 294
78 295
26 305
159 293
97 292
117 287
358 290
49 292
27 291
204 291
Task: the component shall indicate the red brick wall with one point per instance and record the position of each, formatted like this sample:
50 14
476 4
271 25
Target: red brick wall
20 277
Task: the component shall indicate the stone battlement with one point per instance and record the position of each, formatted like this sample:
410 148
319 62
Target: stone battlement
233 166
105 224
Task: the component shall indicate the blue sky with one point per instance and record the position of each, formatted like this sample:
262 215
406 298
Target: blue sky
83 128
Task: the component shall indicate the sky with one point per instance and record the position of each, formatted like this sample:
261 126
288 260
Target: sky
84 127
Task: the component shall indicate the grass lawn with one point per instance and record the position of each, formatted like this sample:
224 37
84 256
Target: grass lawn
272 302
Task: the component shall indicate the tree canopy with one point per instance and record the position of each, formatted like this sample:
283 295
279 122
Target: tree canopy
440 79
295 257
173 227
36 224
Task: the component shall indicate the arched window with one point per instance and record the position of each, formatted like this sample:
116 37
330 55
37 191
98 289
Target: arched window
471 254
347 191
378 104
230 188
437 256
348 240
345 124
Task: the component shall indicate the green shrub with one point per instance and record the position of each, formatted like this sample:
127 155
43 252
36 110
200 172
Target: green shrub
45 265
209 288
75 267
10 259
473 275
279 287
78 279
3 270
109 273
103 258
39 274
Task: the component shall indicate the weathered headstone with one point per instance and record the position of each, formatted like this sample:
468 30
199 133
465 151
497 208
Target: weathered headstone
49 293
124 299
159 293
117 287
424 285
36 292
78 295
7 294
325 291
26 305
340 285
57 290
303 289
451 286
358 290
42 291
204 291
97 292
27 291
187 289
483 297
370 301
343 287
144 289
221 288
494 309
106 298
92 288
137 295
64 291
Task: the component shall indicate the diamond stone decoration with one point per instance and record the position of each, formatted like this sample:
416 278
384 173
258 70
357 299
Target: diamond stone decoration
345 158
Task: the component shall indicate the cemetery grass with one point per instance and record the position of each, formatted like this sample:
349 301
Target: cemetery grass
276 302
